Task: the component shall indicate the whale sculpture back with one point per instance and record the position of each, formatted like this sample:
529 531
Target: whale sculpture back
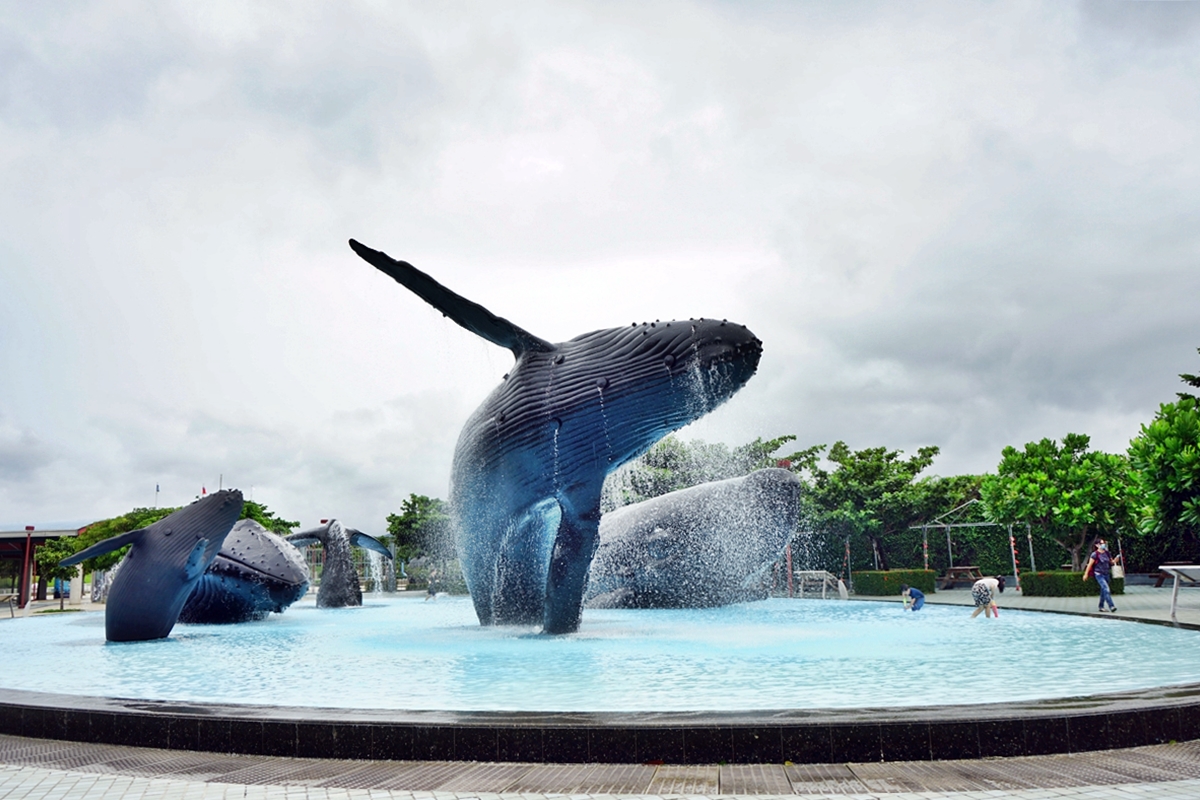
166 561
531 460
708 545
255 573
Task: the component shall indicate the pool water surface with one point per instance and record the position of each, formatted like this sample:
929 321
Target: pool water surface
403 653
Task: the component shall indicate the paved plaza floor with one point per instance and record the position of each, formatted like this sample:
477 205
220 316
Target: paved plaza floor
36 769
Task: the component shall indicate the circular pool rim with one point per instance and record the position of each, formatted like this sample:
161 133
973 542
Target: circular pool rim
1065 725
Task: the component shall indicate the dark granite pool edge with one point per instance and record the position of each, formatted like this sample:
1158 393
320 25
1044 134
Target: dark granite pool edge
1124 719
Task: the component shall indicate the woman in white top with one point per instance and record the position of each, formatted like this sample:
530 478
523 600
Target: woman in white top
984 593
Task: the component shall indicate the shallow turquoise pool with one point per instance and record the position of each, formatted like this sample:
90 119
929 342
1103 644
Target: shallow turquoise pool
404 653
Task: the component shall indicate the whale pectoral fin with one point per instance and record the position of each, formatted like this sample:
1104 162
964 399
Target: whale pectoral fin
570 561
311 536
360 539
100 548
195 565
472 316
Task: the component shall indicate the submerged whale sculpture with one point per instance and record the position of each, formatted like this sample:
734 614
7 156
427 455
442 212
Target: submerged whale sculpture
530 462
256 572
708 545
339 579
165 563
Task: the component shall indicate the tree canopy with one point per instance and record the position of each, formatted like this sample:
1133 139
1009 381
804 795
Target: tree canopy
1063 491
267 518
422 528
47 557
1166 457
873 493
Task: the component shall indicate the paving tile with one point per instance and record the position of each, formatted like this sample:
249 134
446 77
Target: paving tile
755 779
823 778
685 779
557 778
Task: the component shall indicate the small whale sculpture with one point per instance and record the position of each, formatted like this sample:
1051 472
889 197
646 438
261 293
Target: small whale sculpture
531 461
255 573
708 545
339 579
165 563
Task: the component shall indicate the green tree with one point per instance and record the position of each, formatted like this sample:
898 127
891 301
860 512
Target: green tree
872 494
1166 457
267 518
47 558
422 528
1066 492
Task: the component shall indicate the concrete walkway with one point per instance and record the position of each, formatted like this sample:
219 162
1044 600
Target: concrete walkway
1142 603
35 769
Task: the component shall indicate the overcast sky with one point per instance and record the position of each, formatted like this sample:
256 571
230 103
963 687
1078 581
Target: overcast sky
969 225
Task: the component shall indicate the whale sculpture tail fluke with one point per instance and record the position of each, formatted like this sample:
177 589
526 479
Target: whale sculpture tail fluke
470 315
339 577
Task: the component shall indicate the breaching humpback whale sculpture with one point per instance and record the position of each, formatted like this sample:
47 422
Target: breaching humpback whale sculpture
530 462
256 572
708 545
165 563
339 580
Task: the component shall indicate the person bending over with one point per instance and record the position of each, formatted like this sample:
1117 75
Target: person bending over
984 594
913 598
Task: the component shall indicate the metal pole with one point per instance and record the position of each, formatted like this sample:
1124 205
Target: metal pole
1029 538
925 544
949 549
1012 550
26 577
1174 596
789 569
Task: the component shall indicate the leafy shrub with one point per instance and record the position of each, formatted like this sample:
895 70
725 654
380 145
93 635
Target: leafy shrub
878 584
1065 584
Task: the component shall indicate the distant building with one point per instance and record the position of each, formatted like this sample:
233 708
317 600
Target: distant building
16 559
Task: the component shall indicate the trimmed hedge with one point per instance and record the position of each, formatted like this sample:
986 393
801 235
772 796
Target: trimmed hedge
1065 584
879 584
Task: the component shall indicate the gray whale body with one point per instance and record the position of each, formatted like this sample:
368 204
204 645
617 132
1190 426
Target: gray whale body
339 579
255 573
531 460
707 545
165 563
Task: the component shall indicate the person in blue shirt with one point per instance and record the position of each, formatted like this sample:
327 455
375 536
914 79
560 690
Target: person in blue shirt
914 596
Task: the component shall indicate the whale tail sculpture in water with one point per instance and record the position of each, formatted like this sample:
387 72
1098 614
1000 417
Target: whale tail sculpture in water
531 461
708 545
339 579
165 563
255 573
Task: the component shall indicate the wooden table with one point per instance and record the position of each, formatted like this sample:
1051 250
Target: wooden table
960 574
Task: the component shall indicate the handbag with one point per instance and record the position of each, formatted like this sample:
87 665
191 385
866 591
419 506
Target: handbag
1118 571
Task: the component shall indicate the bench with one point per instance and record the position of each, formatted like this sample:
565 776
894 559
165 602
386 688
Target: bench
959 575
11 599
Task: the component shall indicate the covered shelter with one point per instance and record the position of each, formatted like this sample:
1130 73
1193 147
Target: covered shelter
17 564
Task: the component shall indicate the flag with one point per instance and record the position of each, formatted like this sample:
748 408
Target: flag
156 488
203 491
